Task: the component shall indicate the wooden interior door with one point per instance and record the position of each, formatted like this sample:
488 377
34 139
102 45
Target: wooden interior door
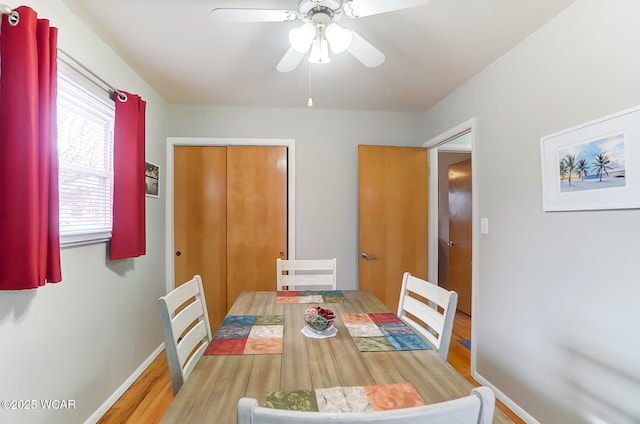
199 227
256 217
392 218
459 266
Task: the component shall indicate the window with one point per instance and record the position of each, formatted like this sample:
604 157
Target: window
85 155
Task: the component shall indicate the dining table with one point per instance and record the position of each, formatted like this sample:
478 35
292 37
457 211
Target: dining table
218 381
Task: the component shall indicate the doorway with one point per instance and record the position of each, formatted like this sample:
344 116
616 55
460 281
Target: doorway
459 140
455 226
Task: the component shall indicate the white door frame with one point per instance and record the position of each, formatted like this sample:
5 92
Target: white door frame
438 144
209 141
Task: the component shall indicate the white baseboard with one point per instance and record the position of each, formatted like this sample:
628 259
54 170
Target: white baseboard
93 419
524 415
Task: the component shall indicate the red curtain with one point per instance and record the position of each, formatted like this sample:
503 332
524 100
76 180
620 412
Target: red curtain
29 227
128 233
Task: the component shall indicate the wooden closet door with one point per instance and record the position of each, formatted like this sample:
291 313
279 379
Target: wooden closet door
256 216
199 227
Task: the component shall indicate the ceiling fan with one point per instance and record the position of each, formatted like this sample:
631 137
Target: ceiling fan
320 32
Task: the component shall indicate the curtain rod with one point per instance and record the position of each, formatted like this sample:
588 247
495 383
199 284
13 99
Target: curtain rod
70 60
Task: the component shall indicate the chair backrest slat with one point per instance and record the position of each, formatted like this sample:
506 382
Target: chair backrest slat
186 317
434 293
307 264
180 294
195 336
192 361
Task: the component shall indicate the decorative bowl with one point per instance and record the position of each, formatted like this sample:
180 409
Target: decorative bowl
319 320
318 328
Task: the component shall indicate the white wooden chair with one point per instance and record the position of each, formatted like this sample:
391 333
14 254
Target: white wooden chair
438 325
476 408
306 274
184 308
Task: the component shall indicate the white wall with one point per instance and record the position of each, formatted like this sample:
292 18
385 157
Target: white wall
82 338
558 318
326 164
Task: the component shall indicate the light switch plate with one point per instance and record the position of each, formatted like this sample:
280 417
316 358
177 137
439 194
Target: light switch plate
484 225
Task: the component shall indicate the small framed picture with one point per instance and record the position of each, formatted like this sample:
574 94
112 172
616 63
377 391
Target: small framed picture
595 165
152 178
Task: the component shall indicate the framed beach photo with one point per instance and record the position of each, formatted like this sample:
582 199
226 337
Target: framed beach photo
595 165
151 180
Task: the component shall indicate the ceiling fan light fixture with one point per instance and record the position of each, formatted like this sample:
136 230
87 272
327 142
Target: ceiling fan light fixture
339 38
301 37
319 51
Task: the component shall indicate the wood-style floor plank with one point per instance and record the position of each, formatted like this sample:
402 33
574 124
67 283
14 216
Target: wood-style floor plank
146 400
149 397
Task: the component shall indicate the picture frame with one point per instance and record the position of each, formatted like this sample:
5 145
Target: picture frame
595 165
152 179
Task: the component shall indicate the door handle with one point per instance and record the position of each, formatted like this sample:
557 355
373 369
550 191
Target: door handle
450 244
368 255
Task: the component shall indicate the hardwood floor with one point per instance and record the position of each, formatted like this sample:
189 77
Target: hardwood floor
148 398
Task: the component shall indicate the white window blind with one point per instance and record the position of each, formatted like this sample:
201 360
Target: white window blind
85 156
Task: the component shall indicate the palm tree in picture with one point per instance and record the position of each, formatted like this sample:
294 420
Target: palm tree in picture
563 170
582 168
570 164
601 164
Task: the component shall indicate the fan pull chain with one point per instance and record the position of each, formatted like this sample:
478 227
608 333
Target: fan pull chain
310 101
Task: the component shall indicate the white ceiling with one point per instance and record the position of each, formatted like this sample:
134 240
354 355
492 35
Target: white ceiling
430 51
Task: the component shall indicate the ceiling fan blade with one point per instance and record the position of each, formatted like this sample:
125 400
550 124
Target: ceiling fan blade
365 52
290 60
359 8
253 15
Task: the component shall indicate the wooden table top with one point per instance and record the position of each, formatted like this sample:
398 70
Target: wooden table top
212 391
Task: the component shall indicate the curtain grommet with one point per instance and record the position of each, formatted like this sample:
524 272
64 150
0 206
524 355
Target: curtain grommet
122 97
13 18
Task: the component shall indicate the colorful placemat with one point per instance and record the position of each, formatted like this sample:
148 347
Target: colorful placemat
248 335
347 399
384 331
308 296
